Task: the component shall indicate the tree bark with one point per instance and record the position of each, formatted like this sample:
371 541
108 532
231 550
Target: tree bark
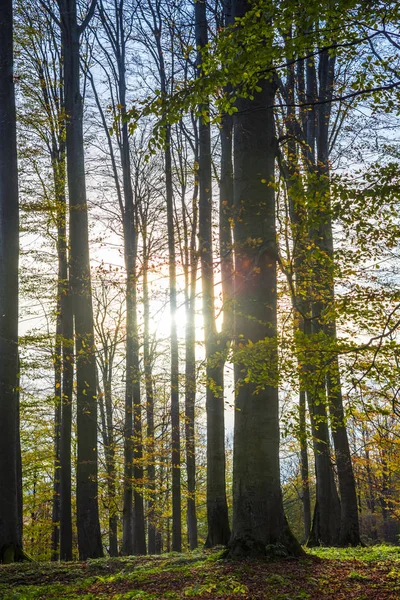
106 411
133 394
156 24
349 525
299 284
10 533
66 416
58 165
191 260
89 536
55 535
217 508
175 426
258 515
148 374
305 477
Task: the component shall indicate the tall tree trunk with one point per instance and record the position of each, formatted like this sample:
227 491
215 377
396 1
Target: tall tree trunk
258 516
58 165
299 285
325 528
305 477
390 522
226 206
175 425
349 518
158 23
326 519
51 79
190 266
217 508
134 530
55 536
371 495
89 536
10 532
106 411
349 525
225 229
19 457
134 538
138 518
66 415
148 374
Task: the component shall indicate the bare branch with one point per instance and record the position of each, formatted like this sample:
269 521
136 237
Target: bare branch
51 13
88 17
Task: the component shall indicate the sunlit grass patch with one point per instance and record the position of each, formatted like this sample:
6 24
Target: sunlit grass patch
367 553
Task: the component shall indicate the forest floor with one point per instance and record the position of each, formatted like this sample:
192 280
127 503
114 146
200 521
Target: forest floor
371 573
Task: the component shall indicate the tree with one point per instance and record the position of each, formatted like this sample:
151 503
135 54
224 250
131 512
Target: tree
187 234
311 83
10 525
105 298
258 516
155 18
89 537
43 89
217 508
134 541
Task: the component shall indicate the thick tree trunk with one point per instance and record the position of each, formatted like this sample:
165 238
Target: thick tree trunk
217 508
10 532
89 537
258 516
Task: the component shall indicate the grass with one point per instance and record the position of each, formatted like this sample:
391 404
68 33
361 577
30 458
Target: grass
326 573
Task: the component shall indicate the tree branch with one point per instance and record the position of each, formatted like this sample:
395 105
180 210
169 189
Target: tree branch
51 13
88 17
